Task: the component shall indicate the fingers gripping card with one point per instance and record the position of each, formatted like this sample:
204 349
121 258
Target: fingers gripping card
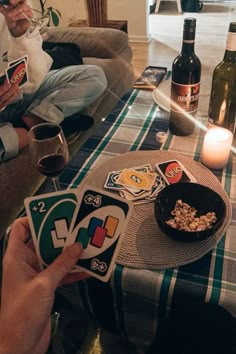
98 223
50 216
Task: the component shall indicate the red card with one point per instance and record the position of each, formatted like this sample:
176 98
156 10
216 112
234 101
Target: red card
17 74
173 172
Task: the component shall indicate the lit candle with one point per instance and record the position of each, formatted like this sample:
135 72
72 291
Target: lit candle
216 147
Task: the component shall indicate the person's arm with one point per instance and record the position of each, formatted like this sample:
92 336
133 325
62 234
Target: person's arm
39 62
28 293
8 92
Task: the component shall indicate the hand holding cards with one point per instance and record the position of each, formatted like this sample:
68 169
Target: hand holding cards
16 73
91 216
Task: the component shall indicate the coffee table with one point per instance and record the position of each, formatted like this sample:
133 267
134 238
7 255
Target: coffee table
137 298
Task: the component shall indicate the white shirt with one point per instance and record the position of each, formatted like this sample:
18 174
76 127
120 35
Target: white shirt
39 62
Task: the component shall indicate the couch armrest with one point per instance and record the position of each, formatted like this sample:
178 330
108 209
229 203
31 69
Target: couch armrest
104 43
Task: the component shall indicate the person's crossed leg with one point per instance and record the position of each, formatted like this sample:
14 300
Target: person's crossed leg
62 94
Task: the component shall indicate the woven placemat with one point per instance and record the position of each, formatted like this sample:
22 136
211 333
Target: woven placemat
144 244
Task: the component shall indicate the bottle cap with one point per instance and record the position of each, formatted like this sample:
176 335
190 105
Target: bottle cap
161 137
189 28
190 23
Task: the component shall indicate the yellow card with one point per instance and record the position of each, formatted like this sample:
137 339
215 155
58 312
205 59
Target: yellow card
136 179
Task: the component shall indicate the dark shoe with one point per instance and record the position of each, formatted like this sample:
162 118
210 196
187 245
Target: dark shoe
76 123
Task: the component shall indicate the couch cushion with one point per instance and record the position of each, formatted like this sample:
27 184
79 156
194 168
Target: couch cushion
63 54
93 42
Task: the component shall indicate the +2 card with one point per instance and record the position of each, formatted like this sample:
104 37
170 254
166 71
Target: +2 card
50 217
99 222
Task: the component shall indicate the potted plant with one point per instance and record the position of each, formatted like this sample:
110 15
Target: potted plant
54 14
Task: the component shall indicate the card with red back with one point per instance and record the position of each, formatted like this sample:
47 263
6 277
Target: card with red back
17 73
173 172
3 79
13 62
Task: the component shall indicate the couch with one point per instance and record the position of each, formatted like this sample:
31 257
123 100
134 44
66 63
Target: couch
107 48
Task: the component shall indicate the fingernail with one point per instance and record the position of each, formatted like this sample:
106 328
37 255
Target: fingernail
78 247
79 244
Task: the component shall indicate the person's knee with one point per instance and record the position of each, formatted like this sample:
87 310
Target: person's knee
100 80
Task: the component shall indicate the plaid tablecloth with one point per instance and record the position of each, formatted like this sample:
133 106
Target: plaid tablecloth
135 300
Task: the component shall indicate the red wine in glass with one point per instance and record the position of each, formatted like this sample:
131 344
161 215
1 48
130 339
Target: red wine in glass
52 165
49 150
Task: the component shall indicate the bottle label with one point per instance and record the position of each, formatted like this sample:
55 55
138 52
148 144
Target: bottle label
231 42
184 97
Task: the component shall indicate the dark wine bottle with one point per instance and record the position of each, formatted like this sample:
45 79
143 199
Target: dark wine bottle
222 106
185 84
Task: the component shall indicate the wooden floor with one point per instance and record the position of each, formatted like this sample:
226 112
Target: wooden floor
166 29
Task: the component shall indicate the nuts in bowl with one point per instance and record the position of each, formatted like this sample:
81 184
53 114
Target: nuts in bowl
189 211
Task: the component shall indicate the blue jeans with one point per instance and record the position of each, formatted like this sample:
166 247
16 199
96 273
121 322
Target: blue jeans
62 93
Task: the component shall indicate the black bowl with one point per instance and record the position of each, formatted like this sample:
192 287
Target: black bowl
202 198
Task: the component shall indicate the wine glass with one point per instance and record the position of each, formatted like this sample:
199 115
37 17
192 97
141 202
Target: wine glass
49 150
36 24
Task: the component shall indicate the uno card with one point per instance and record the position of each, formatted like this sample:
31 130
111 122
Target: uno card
112 178
111 181
173 171
17 73
13 62
3 79
136 179
98 223
50 217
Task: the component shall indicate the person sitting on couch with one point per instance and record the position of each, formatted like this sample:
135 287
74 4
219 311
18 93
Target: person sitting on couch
49 95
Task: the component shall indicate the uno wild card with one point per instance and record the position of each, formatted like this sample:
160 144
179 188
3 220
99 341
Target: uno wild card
94 217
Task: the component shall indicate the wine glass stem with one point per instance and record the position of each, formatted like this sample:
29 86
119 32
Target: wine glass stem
56 183
27 17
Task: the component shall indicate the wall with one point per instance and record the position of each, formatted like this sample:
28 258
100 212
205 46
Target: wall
134 11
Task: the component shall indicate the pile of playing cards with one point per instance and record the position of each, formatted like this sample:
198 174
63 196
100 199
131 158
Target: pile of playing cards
16 72
138 184
95 218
